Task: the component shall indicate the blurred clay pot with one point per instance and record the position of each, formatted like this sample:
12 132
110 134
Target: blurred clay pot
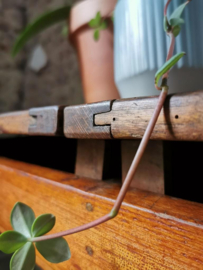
95 57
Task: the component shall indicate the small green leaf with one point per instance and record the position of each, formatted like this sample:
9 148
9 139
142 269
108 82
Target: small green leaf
64 31
178 11
177 21
98 18
93 24
166 24
22 217
10 241
168 65
104 25
54 250
176 30
43 224
96 35
41 23
24 258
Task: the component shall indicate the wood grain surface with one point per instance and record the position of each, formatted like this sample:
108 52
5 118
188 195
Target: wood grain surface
90 158
15 122
150 232
79 121
36 121
181 118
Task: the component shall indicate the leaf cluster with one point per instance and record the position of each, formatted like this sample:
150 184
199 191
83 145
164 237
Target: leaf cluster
19 241
175 21
98 24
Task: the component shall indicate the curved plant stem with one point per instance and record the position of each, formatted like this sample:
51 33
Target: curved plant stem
127 181
135 162
166 7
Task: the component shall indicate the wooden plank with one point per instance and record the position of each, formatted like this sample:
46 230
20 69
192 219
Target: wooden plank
90 158
36 121
181 118
150 173
151 231
15 122
79 121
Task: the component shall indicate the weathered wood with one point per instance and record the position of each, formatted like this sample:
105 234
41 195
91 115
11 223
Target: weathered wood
150 173
90 158
15 122
36 121
79 121
49 120
181 118
151 231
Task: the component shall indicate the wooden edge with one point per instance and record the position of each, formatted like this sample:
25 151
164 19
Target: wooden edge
175 207
150 231
36 121
181 118
16 122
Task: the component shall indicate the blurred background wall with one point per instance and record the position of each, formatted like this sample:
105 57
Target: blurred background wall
58 82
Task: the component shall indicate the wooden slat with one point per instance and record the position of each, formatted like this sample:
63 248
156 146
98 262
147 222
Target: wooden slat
79 121
151 231
181 118
15 122
36 121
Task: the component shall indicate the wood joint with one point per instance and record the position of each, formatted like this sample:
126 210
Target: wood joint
79 121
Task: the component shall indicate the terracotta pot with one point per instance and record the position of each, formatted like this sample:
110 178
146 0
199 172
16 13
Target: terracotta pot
95 57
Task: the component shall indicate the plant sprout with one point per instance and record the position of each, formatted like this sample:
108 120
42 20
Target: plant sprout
29 231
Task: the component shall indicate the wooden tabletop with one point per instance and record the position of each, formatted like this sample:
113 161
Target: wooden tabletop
151 231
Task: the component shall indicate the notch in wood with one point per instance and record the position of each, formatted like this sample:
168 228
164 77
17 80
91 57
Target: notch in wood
79 121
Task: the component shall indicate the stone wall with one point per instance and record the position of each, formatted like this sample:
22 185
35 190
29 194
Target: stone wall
20 87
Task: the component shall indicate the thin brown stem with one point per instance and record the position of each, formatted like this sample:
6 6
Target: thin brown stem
135 162
127 181
74 230
166 7
141 150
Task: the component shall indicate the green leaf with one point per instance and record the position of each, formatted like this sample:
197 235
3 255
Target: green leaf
92 24
96 22
43 224
168 65
104 25
176 30
166 24
177 21
64 31
54 250
24 258
98 18
10 241
22 217
96 35
41 23
178 12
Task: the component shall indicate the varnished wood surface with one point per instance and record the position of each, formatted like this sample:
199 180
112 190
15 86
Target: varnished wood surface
151 231
181 118
15 122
